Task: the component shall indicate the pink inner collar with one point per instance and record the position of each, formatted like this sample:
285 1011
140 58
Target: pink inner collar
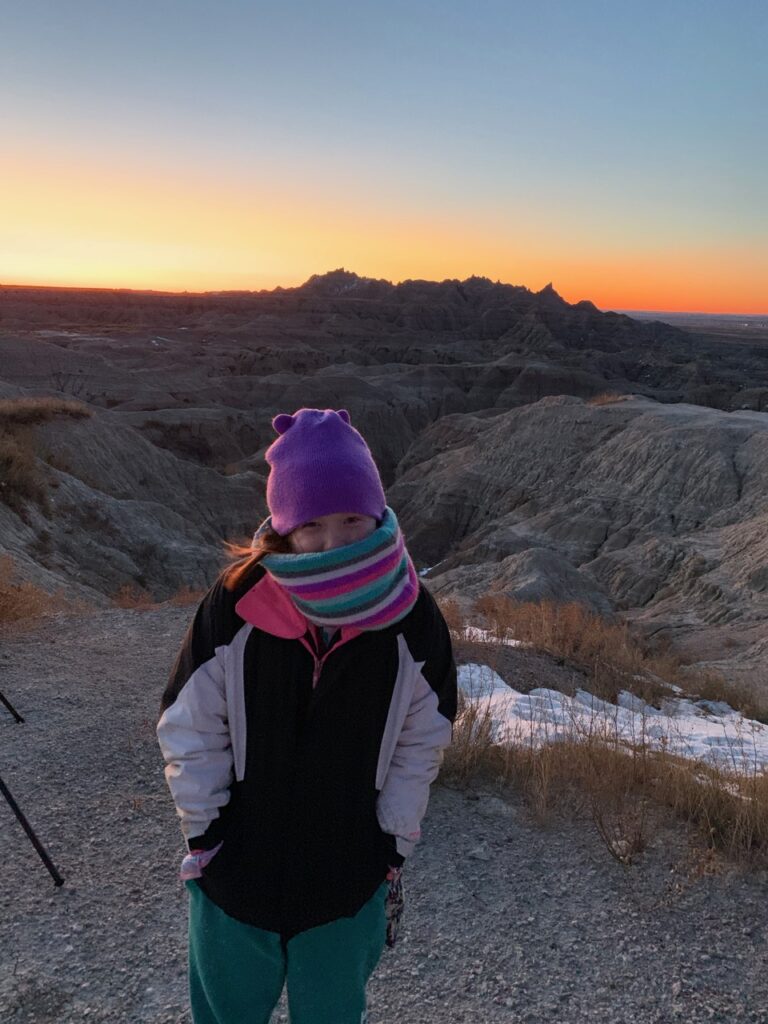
269 607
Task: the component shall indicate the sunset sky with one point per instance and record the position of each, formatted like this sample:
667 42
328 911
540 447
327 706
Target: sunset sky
618 150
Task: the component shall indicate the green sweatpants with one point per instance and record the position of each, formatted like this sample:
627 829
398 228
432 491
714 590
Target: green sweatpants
237 972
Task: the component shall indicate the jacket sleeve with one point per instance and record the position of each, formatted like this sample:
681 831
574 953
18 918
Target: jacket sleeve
418 727
193 729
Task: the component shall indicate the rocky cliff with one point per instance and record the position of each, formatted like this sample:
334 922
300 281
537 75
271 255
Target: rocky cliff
481 401
659 511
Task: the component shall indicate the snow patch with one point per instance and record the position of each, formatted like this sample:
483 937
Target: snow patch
710 731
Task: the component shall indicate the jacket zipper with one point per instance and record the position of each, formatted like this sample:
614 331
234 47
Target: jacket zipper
317 662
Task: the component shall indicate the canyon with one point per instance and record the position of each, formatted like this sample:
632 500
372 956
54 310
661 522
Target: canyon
531 447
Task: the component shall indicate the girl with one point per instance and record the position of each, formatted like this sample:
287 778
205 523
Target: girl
303 723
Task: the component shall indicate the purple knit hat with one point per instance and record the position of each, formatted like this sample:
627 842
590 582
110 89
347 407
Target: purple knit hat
320 465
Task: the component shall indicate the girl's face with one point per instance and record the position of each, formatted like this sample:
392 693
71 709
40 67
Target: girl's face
333 531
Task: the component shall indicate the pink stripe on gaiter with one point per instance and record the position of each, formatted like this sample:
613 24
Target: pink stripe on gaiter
390 612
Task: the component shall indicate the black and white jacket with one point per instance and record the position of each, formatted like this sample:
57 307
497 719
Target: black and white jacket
312 767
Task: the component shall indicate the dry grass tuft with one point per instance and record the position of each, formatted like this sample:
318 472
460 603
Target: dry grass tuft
453 616
473 753
25 412
607 398
23 602
708 684
21 479
19 600
731 809
624 790
607 652
130 595
588 773
186 595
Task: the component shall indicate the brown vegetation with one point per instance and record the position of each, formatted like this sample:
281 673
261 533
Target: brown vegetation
607 652
20 476
21 601
21 479
186 595
130 595
607 398
751 700
15 412
625 789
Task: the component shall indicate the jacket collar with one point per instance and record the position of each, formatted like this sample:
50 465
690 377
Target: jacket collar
269 607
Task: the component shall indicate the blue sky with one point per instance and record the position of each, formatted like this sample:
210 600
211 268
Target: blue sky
632 126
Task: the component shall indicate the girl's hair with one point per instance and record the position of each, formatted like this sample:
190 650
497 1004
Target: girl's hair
243 559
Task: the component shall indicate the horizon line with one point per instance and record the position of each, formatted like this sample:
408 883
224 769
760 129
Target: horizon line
626 311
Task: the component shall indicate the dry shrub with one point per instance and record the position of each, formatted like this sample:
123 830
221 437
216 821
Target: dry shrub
20 477
730 808
452 614
607 652
623 789
568 631
606 398
132 596
473 752
186 595
707 684
611 655
23 602
16 412
468 646
589 777
575 776
19 600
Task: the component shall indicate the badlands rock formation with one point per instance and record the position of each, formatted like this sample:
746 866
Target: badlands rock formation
475 397
659 511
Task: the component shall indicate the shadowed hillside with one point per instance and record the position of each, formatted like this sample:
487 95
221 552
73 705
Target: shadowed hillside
494 413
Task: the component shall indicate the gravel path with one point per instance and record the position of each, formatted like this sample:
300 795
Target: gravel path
506 921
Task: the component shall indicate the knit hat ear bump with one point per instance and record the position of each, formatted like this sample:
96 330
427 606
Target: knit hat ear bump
282 422
320 465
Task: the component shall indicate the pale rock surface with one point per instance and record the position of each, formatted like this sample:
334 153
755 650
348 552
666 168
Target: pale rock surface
660 511
470 394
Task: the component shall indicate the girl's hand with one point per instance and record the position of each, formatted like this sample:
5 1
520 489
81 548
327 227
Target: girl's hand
194 862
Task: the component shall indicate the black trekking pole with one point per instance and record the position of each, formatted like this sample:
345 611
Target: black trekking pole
11 708
58 880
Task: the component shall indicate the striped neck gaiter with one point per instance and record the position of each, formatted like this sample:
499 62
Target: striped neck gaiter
370 584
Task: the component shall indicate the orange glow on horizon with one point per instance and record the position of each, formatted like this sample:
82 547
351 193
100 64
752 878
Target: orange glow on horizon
640 304
121 228
636 293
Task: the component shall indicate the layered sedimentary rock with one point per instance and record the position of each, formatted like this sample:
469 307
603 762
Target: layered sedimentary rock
476 399
659 511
